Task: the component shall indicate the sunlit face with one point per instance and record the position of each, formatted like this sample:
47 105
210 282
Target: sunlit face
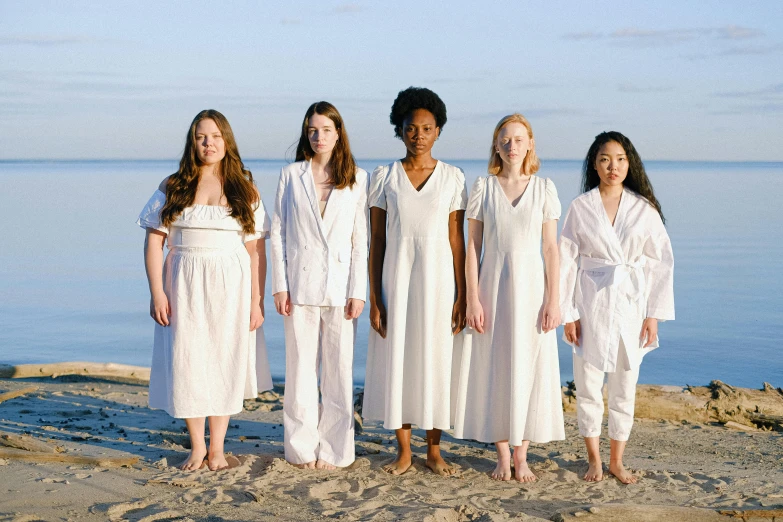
513 144
210 147
419 132
611 162
322 133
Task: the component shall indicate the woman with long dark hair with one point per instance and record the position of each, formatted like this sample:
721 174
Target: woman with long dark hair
617 272
319 282
417 282
207 297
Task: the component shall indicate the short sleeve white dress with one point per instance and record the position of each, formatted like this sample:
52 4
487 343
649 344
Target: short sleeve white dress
507 383
408 374
205 362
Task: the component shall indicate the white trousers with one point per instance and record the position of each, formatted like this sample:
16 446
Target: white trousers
621 391
318 339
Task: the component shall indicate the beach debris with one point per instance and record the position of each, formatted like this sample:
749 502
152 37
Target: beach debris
104 462
107 371
738 426
27 443
753 514
7 396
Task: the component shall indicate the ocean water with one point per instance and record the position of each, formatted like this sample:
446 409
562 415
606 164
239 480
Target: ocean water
72 283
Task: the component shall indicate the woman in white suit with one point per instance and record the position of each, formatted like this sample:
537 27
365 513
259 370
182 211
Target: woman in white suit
319 282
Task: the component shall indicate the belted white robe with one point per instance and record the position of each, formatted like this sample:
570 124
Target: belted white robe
614 276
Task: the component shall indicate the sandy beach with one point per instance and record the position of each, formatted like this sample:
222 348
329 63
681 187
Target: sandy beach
95 451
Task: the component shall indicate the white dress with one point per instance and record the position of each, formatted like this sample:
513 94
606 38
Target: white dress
408 374
614 276
204 363
507 380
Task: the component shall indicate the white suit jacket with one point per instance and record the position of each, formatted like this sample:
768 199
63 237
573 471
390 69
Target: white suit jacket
319 261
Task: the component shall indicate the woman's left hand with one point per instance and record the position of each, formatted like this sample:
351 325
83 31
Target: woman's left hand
551 318
353 308
458 315
256 316
649 329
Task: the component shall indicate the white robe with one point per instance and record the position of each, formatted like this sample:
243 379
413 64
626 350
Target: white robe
613 277
408 373
507 379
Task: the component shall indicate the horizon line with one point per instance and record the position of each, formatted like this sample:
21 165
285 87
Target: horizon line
76 160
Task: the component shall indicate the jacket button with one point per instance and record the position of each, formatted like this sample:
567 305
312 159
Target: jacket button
305 269
307 247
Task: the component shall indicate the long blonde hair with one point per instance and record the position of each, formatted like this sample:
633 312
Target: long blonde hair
530 164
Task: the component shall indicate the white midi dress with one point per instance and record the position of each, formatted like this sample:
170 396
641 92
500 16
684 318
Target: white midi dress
205 362
507 380
408 374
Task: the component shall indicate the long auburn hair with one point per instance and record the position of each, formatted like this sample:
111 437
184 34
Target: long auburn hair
238 187
530 164
341 163
636 179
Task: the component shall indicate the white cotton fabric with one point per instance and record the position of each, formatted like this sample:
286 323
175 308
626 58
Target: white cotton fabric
613 277
320 261
507 380
319 344
621 393
204 363
408 374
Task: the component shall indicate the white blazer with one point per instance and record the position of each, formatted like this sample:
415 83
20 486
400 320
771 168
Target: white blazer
319 261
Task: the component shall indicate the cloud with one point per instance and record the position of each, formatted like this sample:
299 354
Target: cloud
655 37
290 21
532 113
771 92
751 50
629 88
763 109
348 8
43 40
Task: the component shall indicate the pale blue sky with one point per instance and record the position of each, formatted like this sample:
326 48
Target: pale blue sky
685 79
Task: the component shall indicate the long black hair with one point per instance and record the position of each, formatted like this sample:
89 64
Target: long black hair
636 180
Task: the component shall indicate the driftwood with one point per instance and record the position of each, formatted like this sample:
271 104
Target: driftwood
17 393
124 372
101 462
774 422
26 443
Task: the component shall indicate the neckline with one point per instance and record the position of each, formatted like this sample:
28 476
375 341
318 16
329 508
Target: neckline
521 196
426 181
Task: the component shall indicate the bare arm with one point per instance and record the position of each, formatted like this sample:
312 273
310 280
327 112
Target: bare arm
256 315
474 312
457 242
551 318
153 264
375 269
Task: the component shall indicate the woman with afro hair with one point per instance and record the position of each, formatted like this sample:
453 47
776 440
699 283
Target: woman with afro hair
417 282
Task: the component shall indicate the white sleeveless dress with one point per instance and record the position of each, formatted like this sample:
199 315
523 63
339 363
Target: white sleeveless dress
507 380
207 361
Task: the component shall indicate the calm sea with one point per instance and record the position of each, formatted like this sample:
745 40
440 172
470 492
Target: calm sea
72 284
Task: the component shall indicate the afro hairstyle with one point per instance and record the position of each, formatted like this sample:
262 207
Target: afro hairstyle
414 98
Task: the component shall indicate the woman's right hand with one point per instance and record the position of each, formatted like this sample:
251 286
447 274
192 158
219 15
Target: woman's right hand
378 318
475 316
160 309
283 303
573 332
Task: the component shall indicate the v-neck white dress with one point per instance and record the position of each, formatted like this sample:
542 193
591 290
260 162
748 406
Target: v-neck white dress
507 384
408 373
205 362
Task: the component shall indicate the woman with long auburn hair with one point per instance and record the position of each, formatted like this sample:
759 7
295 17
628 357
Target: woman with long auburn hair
319 273
508 375
206 299
617 283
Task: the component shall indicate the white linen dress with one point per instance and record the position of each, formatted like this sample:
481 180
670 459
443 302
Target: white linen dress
408 374
507 380
204 363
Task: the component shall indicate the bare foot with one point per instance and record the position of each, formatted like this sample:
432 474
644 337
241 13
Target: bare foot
194 461
322 464
400 465
439 466
503 469
306 465
595 472
623 475
217 461
521 471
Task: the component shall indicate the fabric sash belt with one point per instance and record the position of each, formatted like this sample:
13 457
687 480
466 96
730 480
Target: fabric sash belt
629 276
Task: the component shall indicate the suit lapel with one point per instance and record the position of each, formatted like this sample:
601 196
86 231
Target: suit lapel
306 177
610 232
333 208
